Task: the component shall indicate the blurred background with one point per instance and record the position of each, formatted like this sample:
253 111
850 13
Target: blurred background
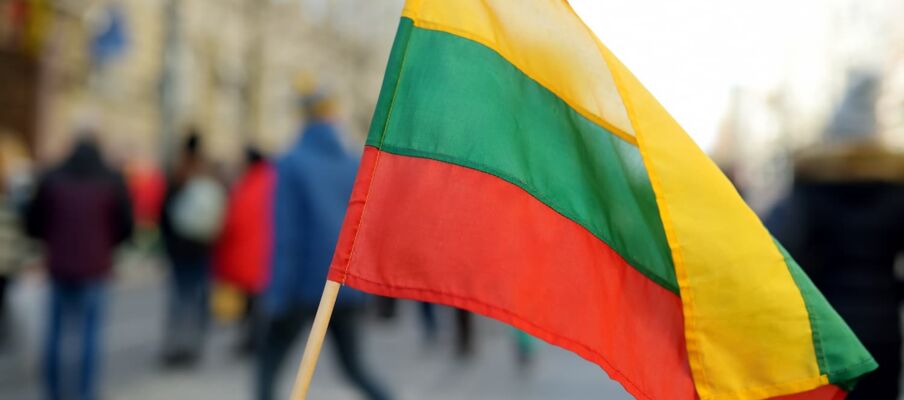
801 103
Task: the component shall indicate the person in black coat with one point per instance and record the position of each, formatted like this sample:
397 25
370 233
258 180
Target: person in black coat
844 224
188 244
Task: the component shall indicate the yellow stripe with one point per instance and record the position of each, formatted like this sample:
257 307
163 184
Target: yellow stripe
747 328
544 40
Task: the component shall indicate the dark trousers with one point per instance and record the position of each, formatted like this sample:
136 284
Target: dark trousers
75 313
5 325
249 325
278 335
188 310
428 321
464 339
4 283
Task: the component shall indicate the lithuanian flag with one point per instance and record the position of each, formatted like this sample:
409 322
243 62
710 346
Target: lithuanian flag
517 169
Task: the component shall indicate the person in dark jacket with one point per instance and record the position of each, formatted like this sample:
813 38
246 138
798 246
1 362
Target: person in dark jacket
844 224
191 213
81 211
313 184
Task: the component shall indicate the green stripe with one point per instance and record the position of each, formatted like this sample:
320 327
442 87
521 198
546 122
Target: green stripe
840 354
458 101
390 80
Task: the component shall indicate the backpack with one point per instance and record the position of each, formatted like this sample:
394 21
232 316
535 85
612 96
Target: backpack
198 209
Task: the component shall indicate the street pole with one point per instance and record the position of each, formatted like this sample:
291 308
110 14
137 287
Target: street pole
168 82
252 87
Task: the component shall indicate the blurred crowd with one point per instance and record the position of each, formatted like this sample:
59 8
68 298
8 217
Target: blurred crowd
254 248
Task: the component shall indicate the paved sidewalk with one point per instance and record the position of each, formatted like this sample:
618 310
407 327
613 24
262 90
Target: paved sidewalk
411 370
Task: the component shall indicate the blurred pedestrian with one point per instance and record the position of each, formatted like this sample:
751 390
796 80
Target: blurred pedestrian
147 185
191 220
13 246
314 183
845 229
9 241
464 334
525 349
242 253
386 310
81 211
843 223
464 347
429 324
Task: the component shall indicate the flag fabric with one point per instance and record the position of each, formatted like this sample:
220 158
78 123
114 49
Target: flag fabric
517 169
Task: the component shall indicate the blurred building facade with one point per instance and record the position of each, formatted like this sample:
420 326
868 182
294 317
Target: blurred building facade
145 70
142 71
766 125
19 35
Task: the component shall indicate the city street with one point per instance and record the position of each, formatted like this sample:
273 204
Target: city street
394 350
706 197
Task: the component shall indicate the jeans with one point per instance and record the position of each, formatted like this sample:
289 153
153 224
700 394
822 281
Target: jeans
75 318
279 333
188 310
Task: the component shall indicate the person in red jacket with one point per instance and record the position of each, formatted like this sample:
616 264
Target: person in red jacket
147 186
243 250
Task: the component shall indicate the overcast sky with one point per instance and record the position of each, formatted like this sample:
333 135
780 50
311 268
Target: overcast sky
690 53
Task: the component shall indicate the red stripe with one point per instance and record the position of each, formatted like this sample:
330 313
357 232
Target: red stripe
827 392
442 233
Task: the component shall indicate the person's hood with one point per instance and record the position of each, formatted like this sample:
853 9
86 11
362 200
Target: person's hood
85 161
849 162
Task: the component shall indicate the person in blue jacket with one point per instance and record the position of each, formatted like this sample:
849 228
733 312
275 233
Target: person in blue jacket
314 182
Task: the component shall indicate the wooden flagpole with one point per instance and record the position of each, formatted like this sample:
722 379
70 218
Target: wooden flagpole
315 341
